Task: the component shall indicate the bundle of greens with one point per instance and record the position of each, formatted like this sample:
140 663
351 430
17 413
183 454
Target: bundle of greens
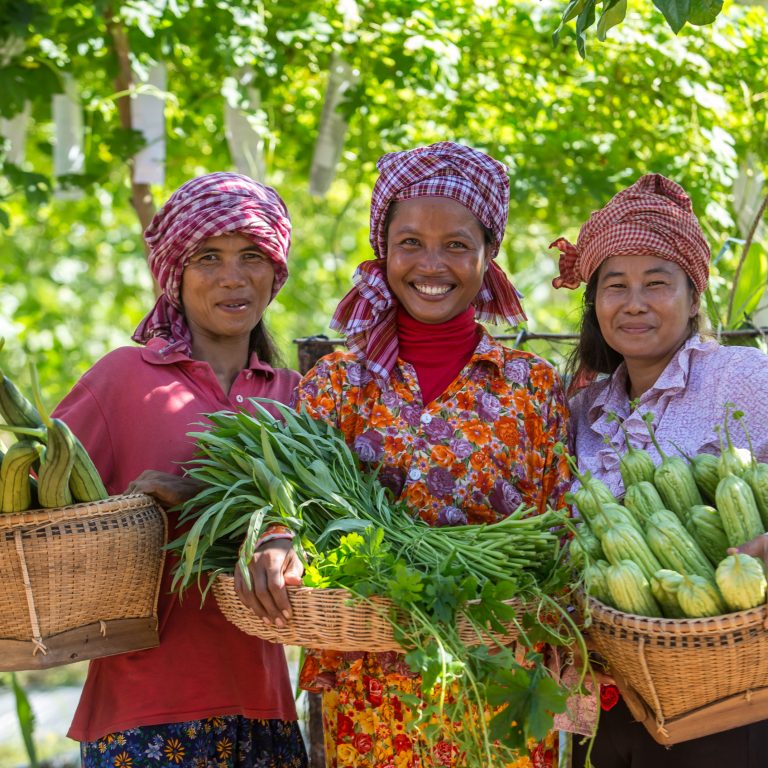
300 472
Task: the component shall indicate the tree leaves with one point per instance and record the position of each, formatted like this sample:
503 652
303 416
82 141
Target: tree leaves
675 12
704 11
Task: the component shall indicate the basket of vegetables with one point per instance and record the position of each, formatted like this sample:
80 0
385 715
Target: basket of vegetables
682 624
79 570
468 605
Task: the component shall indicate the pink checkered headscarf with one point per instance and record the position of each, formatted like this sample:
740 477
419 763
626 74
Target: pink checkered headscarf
208 206
366 315
653 217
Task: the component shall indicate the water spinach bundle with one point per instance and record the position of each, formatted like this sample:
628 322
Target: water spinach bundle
300 472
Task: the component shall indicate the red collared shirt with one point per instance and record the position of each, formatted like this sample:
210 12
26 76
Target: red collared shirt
132 411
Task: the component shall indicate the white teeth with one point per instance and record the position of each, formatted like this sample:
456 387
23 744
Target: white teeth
432 290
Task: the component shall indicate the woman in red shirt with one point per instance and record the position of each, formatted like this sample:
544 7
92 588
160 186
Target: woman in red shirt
208 694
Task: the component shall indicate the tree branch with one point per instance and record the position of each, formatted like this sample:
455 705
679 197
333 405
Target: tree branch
141 195
744 252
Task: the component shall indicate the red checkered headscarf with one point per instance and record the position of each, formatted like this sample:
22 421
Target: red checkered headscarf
653 217
366 315
208 206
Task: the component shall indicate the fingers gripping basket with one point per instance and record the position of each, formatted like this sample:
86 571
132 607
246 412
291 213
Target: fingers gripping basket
331 619
79 582
686 678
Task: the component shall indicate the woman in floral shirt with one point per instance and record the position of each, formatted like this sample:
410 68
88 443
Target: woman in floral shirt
462 427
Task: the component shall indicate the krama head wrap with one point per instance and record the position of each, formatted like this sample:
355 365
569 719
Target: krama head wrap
208 206
366 315
653 217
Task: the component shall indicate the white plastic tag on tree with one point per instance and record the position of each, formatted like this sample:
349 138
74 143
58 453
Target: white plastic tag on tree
333 127
148 116
68 153
14 131
748 194
246 129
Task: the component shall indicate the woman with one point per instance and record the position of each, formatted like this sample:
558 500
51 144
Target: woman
646 263
463 428
209 694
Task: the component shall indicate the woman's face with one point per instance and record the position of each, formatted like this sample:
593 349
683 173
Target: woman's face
436 257
225 287
644 305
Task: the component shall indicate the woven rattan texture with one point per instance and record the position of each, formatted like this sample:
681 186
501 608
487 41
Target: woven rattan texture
329 619
679 665
82 564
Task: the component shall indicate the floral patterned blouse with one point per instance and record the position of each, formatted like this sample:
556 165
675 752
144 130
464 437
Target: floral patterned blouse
472 455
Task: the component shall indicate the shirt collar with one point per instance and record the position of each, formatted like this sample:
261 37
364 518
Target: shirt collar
157 351
489 350
613 397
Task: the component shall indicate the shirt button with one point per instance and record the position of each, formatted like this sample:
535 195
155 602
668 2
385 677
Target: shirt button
414 474
239 398
425 418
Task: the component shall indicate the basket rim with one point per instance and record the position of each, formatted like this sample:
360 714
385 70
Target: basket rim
333 592
706 625
342 593
38 518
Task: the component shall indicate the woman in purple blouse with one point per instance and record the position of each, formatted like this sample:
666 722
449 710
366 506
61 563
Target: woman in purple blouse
646 263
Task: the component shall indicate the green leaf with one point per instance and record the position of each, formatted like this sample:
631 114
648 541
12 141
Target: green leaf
345 524
751 287
613 13
675 12
583 22
572 10
704 11
531 698
26 720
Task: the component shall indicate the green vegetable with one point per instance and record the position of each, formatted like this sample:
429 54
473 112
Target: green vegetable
675 548
635 464
629 589
742 583
699 597
673 479
664 585
350 533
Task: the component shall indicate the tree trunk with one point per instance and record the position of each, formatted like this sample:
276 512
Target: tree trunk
141 195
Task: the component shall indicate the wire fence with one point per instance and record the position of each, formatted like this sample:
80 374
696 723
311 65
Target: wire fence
312 348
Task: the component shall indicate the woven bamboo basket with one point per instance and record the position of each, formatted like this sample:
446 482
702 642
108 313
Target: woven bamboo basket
686 678
333 619
79 582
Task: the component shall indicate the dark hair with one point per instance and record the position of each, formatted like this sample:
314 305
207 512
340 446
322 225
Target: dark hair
487 231
264 346
592 351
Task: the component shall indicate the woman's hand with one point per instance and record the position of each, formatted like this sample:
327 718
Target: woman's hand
275 565
757 547
168 489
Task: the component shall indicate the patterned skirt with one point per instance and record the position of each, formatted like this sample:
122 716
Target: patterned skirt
231 741
366 726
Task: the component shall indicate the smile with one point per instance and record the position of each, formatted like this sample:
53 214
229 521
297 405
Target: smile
432 290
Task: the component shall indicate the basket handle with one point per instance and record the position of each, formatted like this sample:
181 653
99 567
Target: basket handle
37 638
649 679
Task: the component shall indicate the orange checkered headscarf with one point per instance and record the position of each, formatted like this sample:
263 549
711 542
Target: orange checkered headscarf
653 217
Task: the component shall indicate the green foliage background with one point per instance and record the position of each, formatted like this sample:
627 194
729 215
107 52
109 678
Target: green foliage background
573 131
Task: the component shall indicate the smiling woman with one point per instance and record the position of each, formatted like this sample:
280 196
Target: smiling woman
208 694
436 257
460 428
225 289
640 355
